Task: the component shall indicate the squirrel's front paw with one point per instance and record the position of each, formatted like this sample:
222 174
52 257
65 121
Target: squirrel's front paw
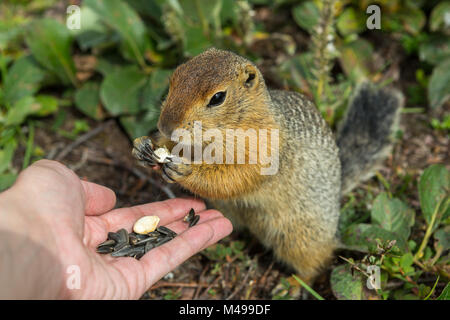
143 151
175 170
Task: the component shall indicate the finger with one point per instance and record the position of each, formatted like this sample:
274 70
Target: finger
168 211
179 226
98 199
158 262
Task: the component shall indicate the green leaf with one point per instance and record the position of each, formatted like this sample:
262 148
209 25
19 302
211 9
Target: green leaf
346 286
155 88
439 85
136 127
443 237
434 185
439 15
120 90
356 58
119 16
195 41
362 237
23 79
351 21
87 100
306 15
93 31
392 215
7 180
406 262
46 105
435 49
409 19
20 110
50 42
445 294
6 155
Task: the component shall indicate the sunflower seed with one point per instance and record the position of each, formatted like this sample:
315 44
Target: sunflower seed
104 249
166 231
194 221
122 252
109 243
189 216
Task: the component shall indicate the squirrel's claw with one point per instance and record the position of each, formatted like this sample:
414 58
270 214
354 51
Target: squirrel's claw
143 151
175 171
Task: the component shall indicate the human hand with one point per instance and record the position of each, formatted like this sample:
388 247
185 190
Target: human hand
52 220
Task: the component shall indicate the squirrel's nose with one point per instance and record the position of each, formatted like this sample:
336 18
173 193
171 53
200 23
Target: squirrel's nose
166 127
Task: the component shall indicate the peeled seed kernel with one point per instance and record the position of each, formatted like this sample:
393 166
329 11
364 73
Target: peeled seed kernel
146 224
162 154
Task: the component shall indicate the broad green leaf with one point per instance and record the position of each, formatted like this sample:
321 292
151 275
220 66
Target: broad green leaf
136 126
8 34
50 43
92 32
439 17
443 237
406 262
392 215
353 236
145 7
23 79
434 185
435 50
351 21
439 85
346 286
306 15
154 89
120 90
87 100
445 294
363 237
119 16
356 58
46 105
7 180
6 155
297 70
195 41
20 110
409 19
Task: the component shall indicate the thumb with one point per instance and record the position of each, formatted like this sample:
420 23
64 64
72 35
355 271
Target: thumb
98 199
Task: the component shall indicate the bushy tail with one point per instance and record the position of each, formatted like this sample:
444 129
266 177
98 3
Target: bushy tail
364 138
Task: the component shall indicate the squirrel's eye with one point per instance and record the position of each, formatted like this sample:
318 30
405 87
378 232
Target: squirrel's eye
217 99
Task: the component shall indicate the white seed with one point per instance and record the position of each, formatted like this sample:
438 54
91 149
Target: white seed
162 154
146 224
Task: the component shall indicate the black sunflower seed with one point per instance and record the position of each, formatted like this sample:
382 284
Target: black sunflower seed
194 221
166 231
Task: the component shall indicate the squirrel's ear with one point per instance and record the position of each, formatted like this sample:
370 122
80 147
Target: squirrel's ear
250 75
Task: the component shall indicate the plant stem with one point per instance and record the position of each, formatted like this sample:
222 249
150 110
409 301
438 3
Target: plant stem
432 290
26 158
308 288
427 236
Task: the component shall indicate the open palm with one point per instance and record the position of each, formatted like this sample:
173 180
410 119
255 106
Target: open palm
75 216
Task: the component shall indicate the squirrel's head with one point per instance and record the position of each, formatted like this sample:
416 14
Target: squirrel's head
218 88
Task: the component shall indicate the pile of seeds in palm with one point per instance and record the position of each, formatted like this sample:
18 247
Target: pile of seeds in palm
145 236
